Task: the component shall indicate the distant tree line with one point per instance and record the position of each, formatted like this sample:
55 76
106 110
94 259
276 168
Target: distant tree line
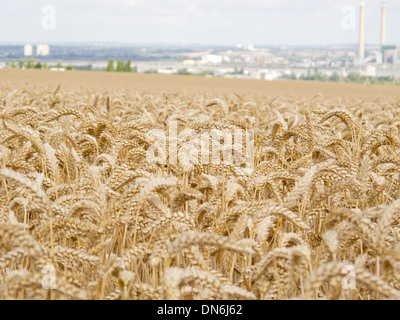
350 78
185 72
120 67
29 65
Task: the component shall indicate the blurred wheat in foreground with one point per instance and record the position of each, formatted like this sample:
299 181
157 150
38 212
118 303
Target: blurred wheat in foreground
85 215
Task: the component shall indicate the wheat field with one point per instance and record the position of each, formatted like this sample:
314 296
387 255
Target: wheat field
84 214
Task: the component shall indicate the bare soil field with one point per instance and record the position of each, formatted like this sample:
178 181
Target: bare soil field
127 186
109 82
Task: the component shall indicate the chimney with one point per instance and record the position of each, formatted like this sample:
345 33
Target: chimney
361 49
383 28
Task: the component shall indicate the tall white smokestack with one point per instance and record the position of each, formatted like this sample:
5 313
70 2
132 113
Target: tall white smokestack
361 48
383 28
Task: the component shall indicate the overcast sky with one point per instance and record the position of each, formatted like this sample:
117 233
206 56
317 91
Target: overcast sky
269 22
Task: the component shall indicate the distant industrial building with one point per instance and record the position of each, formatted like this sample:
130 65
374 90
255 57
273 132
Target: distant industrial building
43 50
387 56
250 47
391 54
383 26
28 50
361 47
212 58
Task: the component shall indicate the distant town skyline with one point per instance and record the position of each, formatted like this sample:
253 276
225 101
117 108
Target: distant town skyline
213 22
